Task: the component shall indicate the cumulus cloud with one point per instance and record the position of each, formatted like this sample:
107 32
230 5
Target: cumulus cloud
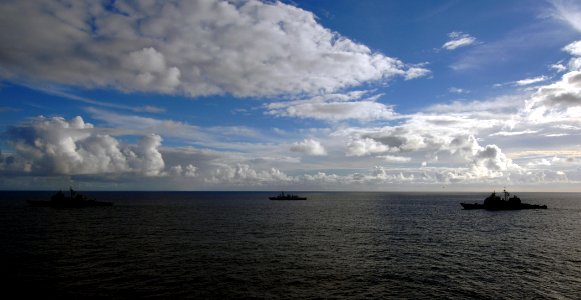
489 161
151 162
243 174
558 67
416 72
188 171
408 137
365 146
309 147
150 70
560 95
575 50
56 146
574 64
72 147
544 161
245 48
458 39
426 138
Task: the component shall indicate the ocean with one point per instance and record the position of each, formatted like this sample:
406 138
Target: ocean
230 245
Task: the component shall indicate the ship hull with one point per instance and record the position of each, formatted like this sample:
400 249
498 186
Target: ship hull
287 199
472 206
469 206
68 204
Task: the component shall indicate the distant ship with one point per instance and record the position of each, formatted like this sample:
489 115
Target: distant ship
495 202
283 196
59 200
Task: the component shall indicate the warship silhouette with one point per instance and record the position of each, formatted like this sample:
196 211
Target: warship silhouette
283 196
60 200
495 202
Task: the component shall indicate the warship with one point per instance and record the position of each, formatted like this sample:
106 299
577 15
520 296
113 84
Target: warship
283 196
495 202
60 200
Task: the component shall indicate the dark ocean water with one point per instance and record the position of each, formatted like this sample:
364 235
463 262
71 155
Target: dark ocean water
334 245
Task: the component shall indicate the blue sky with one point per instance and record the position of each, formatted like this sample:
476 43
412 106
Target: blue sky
301 95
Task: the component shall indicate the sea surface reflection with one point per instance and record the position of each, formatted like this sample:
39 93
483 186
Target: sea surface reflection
334 245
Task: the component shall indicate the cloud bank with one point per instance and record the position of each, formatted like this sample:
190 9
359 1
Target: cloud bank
56 146
244 48
264 49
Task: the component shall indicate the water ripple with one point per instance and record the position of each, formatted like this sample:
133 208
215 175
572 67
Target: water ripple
335 245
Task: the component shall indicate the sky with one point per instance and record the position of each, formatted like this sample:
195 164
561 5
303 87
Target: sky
293 95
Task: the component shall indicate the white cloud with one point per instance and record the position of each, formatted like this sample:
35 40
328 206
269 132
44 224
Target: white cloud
243 174
189 170
73 147
416 135
524 82
455 90
499 105
309 147
562 95
416 72
151 162
489 161
532 80
151 71
558 67
365 146
464 142
573 48
575 64
569 12
446 143
246 48
57 146
539 162
458 39
394 159
334 107
513 133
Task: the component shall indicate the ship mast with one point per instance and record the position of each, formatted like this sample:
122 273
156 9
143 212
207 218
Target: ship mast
506 194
